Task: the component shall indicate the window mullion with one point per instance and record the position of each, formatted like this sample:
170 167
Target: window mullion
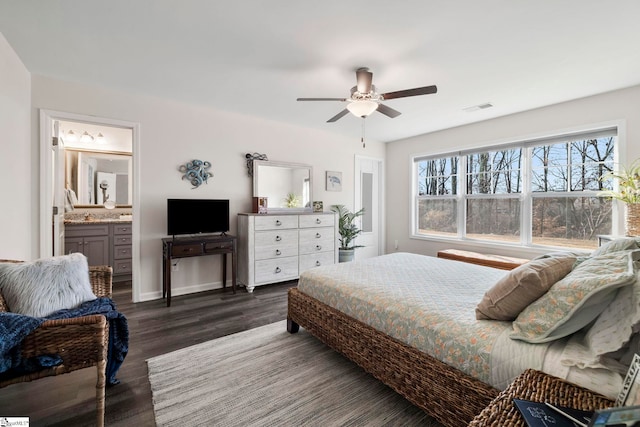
462 197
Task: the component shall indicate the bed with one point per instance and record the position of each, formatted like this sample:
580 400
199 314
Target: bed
410 320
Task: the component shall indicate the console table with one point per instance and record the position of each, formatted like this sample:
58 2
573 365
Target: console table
185 247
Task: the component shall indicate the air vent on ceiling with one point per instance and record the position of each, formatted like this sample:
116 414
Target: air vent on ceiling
478 107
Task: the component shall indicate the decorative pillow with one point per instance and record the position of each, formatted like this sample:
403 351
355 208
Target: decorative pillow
522 286
42 287
617 245
576 300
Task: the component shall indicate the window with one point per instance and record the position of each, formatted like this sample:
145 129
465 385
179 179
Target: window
542 192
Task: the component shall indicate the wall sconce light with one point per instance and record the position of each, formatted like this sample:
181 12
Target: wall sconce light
71 136
86 138
100 139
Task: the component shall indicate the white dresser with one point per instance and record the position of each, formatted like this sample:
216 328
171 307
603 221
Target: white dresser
278 247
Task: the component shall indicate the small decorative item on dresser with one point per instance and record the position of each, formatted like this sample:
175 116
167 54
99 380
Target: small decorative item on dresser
260 205
629 193
317 206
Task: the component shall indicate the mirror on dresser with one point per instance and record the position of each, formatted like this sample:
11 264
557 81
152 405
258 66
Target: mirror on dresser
287 186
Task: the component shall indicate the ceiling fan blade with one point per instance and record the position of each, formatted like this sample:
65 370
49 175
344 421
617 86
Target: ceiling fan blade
426 90
338 116
322 99
388 111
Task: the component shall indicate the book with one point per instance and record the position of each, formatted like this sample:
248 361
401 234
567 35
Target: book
537 414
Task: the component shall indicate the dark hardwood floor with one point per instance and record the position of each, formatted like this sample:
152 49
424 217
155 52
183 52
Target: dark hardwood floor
69 400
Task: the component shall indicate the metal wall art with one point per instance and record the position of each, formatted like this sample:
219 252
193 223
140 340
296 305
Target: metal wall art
251 157
196 172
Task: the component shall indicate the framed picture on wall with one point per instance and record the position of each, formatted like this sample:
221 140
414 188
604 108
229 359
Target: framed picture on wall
334 181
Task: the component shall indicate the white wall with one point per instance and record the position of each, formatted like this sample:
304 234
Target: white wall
173 133
622 107
17 240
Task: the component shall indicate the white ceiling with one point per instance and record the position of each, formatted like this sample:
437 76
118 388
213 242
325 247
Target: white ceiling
256 57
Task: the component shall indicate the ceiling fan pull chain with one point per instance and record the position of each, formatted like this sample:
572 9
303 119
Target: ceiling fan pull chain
362 138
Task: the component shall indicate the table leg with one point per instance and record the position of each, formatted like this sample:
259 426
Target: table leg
224 270
234 266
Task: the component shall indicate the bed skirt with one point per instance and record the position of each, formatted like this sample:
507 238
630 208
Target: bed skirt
446 393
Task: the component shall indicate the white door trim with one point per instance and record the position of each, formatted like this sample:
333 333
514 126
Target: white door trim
46 189
381 197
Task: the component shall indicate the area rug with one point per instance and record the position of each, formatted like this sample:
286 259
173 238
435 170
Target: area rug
268 377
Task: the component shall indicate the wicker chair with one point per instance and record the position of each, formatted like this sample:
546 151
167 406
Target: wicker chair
81 342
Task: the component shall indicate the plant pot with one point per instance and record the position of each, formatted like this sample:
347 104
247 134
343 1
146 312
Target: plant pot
346 255
633 219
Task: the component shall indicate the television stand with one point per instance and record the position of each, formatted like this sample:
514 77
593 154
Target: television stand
186 247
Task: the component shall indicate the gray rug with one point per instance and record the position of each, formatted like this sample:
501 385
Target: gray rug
268 377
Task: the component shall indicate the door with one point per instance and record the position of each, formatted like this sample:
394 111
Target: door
368 195
58 190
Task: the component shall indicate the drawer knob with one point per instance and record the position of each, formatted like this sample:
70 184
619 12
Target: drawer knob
318 247
278 222
317 263
318 235
278 270
278 252
278 238
318 221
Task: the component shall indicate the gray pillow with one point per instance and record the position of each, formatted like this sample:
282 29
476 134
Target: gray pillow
42 287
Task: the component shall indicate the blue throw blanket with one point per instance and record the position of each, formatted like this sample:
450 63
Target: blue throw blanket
15 327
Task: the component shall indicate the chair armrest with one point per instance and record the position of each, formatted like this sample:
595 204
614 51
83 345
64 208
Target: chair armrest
100 277
78 340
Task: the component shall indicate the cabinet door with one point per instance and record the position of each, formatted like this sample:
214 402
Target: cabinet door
73 245
96 249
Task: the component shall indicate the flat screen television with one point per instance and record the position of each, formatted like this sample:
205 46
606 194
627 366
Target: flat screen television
196 216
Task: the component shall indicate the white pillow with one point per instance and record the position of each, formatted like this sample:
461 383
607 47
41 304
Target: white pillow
42 287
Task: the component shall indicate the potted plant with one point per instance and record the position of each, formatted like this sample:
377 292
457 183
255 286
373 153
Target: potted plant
629 193
348 231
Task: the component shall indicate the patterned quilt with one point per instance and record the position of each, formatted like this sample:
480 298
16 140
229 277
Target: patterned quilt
427 303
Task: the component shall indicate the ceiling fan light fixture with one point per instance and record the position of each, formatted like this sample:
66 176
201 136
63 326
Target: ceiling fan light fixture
362 108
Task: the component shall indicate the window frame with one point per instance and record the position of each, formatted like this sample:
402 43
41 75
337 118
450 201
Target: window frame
526 196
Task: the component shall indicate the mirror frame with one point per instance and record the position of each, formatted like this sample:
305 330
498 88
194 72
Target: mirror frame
258 164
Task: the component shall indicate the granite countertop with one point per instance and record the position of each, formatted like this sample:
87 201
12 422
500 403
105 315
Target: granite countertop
98 221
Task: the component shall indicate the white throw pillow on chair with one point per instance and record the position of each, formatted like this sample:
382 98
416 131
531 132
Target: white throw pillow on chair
42 287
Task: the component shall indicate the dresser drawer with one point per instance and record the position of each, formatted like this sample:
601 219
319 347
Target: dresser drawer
313 240
122 252
186 250
276 270
121 228
276 222
272 244
308 221
122 240
316 260
122 266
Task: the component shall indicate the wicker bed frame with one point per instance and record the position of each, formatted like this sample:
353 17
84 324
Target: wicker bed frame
446 393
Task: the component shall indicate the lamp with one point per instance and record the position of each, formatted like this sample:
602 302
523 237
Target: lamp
100 139
86 138
362 108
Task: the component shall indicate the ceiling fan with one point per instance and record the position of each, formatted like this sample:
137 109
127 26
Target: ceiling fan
364 99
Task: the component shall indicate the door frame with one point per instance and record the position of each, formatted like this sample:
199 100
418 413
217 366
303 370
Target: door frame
357 197
47 117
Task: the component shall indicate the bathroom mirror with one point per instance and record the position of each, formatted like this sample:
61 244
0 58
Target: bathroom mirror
97 178
287 186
